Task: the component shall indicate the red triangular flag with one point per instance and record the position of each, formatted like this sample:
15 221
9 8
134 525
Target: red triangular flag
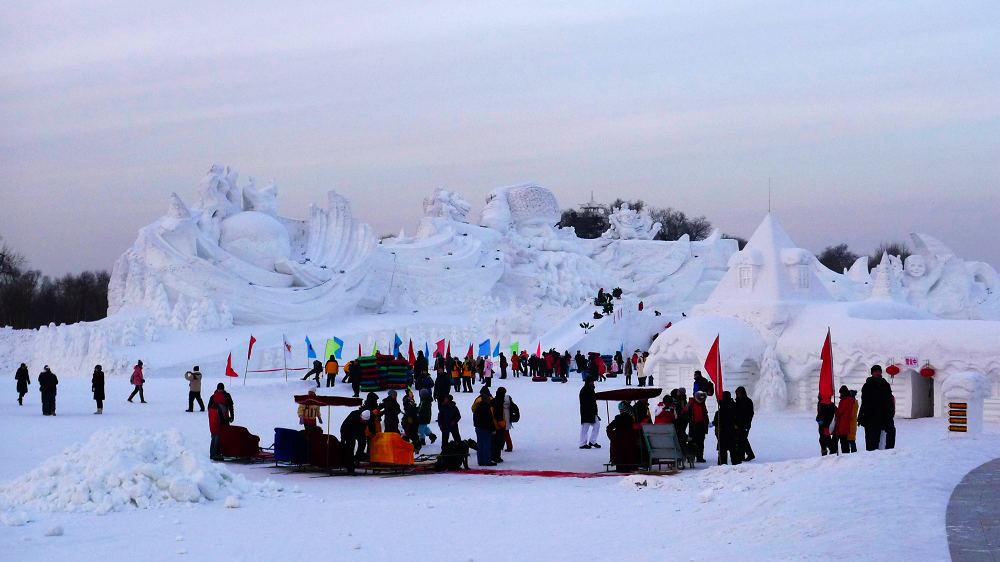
413 358
713 365
253 340
538 350
448 353
469 353
439 348
229 367
826 371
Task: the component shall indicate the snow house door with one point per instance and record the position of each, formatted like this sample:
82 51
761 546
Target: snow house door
921 396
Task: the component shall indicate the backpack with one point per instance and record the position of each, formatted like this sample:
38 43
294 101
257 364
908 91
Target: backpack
708 389
515 412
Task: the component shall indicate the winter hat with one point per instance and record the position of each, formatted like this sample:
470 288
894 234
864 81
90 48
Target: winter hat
366 415
623 407
424 393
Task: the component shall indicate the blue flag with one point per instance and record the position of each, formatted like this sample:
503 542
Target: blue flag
427 350
310 352
496 350
484 348
339 347
622 349
395 345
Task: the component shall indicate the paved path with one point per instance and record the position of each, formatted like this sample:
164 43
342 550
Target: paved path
973 519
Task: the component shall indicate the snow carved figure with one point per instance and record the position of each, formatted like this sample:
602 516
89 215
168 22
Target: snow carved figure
448 205
630 224
234 243
771 391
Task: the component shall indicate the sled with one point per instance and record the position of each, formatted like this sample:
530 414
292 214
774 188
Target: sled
662 446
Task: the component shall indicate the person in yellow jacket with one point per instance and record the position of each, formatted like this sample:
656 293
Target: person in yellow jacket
468 371
308 415
332 369
456 373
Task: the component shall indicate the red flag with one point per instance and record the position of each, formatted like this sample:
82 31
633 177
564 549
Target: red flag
413 358
439 348
826 371
713 365
538 350
448 353
359 350
229 367
253 340
469 353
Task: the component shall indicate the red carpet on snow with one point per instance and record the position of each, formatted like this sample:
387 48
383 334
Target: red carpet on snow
541 473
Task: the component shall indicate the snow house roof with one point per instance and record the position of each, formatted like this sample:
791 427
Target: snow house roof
771 268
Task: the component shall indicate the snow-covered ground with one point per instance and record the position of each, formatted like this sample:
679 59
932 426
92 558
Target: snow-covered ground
787 504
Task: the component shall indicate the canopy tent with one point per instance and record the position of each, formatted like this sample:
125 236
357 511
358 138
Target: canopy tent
638 393
317 400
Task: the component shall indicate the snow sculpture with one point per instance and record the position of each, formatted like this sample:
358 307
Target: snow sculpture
771 391
233 259
630 224
447 205
972 388
937 280
529 209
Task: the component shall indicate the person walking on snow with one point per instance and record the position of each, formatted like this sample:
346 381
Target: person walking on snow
484 421
424 417
877 409
846 421
825 412
23 379
448 418
589 420
503 366
221 413
698 427
47 382
97 387
194 389
332 370
744 418
487 371
137 381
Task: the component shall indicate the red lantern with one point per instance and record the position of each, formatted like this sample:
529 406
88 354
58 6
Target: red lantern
892 370
927 371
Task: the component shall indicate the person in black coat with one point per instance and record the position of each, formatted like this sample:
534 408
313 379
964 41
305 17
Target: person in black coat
590 421
314 372
23 380
97 387
486 426
448 417
877 410
390 413
727 431
744 418
47 382
581 362
825 412
625 452
352 436
420 364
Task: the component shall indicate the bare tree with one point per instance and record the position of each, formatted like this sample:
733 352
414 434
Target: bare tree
837 258
899 249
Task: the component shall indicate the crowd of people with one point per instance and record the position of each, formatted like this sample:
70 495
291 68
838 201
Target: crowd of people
494 415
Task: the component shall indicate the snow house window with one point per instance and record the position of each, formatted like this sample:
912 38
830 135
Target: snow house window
746 277
802 276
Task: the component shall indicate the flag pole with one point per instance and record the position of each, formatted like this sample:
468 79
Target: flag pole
284 356
246 369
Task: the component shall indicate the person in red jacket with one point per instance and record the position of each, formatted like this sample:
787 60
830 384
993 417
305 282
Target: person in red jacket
137 381
846 423
220 414
698 428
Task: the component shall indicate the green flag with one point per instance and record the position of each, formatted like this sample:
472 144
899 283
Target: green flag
334 347
515 348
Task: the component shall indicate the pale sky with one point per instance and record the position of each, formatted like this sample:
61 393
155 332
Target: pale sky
872 119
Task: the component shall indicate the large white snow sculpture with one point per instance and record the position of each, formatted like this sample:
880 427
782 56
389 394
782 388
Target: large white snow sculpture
233 258
629 224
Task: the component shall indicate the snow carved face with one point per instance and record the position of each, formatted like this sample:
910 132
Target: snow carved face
915 266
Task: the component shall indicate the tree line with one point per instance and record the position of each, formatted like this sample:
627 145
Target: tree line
29 299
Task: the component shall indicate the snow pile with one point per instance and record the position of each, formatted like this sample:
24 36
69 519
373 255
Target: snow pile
967 385
122 468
